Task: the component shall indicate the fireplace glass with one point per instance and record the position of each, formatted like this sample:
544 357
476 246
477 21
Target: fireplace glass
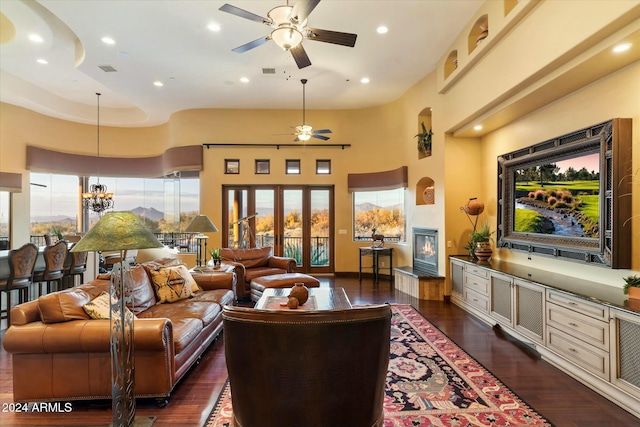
425 250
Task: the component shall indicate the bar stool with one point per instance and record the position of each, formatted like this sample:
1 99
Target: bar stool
54 259
75 265
22 261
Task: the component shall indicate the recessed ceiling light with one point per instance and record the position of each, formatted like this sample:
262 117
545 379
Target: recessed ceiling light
214 27
622 47
477 127
36 38
42 61
382 29
108 40
364 80
158 84
244 79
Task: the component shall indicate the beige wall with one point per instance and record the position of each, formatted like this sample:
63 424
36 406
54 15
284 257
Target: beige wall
382 138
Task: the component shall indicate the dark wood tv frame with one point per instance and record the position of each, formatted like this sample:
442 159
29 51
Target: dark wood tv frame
612 248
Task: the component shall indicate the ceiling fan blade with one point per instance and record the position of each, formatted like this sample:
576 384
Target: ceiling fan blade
251 45
322 131
302 9
328 36
243 14
322 137
296 140
300 56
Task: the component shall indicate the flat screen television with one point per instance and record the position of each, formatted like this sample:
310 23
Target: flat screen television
570 197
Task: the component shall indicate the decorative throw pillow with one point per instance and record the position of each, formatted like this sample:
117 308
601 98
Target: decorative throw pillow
99 307
172 283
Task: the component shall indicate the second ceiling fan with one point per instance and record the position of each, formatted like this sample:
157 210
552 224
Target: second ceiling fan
305 132
289 25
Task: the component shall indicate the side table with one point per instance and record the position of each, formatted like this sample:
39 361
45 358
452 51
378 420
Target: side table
376 253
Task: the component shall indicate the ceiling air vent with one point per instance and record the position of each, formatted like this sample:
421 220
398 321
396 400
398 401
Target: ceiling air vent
107 68
268 71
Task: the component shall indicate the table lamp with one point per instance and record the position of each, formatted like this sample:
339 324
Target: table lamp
201 224
120 231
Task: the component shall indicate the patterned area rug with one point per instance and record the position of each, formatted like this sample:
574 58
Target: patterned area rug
431 382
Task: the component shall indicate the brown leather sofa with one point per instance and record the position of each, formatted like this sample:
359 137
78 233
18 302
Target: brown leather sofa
59 353
254 262
307 368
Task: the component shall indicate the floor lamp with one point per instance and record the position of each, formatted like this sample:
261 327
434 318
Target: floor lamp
120 231
201 224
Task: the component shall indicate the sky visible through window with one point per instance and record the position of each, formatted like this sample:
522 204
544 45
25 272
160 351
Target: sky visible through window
57 195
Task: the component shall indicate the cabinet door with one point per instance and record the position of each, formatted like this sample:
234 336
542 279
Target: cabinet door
625 351
457 277
501 302
529 310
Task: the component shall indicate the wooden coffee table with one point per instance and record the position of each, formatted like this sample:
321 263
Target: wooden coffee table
325 298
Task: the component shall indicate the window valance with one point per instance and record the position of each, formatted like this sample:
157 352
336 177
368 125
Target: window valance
11 182
187 158
378 181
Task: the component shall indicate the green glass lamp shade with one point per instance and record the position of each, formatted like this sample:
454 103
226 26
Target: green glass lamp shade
117 231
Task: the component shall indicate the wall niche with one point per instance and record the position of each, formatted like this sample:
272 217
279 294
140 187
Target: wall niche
424 126
451 64
478 33
425 192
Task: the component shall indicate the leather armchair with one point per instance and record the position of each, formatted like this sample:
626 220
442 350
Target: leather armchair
250 263
291 368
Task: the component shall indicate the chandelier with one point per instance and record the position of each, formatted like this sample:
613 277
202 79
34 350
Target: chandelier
98 199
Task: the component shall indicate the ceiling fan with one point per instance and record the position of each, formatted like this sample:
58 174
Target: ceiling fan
305 132
289 25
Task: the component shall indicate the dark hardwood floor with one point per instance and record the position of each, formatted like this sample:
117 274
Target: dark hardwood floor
563 400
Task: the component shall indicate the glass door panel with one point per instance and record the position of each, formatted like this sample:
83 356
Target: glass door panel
265 204
320 228
239 231
292 224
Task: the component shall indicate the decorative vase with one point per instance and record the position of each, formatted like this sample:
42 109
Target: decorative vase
483 251
634 293
428 195
299 292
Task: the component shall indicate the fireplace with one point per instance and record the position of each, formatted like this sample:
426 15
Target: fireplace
425 250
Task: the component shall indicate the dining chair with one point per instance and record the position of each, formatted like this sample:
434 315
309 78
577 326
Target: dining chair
54 259
75 265
22 261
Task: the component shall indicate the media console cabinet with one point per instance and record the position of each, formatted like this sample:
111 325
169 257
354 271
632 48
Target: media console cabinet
586 329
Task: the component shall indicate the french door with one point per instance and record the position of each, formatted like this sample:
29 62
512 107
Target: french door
296 220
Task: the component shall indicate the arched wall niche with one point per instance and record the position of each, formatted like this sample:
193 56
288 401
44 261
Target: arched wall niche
509 5
451 64
425 191
479 32
423 117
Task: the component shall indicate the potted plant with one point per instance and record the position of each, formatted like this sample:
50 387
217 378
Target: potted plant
216 257
632 287
479 245
424 140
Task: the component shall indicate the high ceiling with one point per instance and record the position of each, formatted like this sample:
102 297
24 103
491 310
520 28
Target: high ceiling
169 42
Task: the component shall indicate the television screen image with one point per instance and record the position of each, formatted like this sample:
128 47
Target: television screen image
560 198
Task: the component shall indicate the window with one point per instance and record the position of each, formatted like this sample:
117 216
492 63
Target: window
166 204
323 167
232 166
54 205
293 167
382 210
262 167
5 197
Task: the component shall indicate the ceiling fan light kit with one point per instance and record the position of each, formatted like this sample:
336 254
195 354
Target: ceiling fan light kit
289 25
